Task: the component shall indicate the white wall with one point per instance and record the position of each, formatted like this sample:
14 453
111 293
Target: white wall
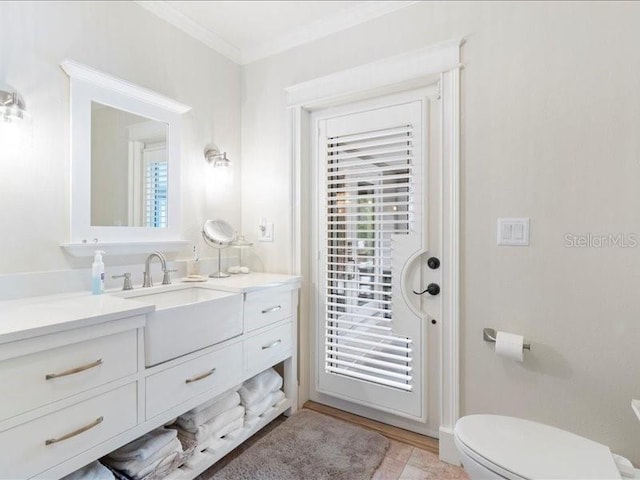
121 39
550 118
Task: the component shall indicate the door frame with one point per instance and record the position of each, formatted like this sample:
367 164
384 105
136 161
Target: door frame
394 74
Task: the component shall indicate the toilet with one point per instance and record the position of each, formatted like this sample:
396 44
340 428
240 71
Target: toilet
499 447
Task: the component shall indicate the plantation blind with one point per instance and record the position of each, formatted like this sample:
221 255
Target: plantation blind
155 184
369 185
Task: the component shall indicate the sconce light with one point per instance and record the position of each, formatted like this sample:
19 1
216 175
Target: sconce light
15 122
12 106
216 159
220 163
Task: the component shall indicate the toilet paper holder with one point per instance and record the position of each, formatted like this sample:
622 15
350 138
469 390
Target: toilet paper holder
489 335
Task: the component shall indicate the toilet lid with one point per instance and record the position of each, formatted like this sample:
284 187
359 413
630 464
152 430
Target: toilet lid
533 450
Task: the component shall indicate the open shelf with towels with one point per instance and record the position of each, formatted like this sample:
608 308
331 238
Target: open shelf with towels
218 448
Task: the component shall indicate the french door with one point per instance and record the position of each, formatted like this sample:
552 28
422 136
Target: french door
378 218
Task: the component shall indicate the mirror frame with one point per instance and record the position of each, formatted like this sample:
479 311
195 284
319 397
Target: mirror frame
89 85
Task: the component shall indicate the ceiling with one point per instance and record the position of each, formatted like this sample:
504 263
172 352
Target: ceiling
245 31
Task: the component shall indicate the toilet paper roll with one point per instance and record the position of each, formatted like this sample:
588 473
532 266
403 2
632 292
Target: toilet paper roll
510 345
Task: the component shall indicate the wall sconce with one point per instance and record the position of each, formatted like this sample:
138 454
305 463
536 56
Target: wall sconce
15 122
216 159
220 163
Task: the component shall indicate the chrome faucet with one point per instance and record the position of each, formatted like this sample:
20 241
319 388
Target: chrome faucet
148 281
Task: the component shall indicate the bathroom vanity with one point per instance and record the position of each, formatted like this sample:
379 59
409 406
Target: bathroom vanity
83 375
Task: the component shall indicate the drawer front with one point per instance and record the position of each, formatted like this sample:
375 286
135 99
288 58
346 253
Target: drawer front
40 378
215 372
49 440
264 307
268 348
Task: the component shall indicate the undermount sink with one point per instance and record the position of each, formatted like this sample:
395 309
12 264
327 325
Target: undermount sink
187 319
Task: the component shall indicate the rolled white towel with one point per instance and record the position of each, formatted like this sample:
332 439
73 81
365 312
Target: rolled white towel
257 388
191 420
214 425
132 468
144 447
93 471
258 408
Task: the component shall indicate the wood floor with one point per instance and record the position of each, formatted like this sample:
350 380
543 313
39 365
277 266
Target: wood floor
394 433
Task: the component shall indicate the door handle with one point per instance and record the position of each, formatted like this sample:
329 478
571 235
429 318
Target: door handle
432 289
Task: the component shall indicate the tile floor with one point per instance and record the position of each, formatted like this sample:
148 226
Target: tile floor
404 462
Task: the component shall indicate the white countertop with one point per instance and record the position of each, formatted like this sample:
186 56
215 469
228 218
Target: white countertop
43 315
246 282
35 316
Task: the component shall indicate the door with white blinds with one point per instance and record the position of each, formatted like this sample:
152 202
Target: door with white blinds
155 183
148 184
372 216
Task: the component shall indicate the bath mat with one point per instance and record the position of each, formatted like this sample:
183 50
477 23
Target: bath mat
309 446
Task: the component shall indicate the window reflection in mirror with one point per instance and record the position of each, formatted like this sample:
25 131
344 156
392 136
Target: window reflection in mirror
129 169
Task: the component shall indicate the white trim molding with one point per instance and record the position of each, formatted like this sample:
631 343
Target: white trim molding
401 72
336 22
172 15
78 71
396 70
361 13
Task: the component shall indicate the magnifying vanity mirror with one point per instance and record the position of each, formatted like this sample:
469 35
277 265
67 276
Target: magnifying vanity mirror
218 234
125 166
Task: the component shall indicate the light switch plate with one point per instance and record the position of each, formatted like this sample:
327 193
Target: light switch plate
265 232
513 231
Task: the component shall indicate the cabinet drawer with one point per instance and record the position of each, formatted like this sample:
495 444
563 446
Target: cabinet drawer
264 307
215 372
47 441
268 348
44 377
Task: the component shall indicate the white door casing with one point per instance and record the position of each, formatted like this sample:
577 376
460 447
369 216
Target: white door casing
400 73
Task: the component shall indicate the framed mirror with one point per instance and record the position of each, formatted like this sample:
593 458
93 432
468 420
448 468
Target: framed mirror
125 165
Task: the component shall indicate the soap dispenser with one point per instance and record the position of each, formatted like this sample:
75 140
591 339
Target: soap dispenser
97 273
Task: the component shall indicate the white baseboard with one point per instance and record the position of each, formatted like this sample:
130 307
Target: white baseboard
448 450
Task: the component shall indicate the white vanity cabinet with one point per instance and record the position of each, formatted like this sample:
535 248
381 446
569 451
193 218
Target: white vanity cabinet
75 384
67 392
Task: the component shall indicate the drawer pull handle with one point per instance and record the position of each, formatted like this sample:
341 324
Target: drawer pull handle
200 377
272 309
51 376
95 423
271 345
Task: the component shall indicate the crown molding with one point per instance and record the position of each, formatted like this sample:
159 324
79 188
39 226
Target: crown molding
299 36
192 28
322 28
